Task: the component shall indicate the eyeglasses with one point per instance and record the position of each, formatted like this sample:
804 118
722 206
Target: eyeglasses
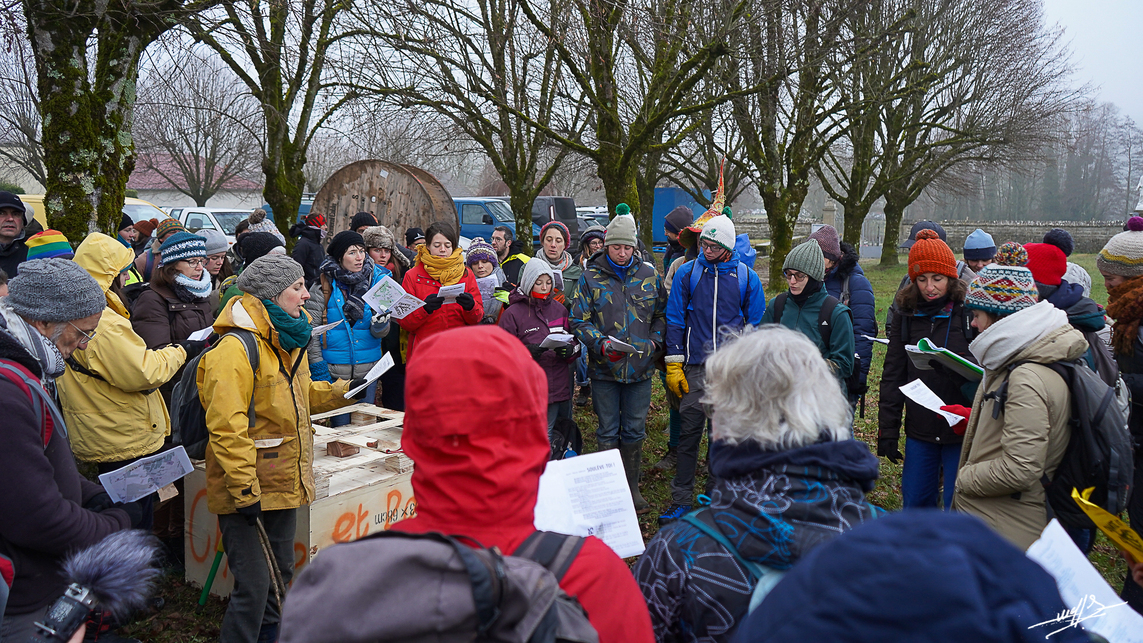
709 245
86 336
195 262
794 276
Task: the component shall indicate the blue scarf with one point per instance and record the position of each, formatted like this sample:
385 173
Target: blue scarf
293 332
620 270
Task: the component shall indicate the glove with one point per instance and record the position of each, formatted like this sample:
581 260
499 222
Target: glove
610 353
134 511
433 303
962 411
535 350
888 448
193 347
564 352
466 300
251 513
354 384
380 319
676 379
99 502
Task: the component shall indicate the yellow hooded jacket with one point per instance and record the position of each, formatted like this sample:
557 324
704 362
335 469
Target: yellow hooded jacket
272 462
122 415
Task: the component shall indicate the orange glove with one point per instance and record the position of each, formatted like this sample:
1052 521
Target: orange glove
962 411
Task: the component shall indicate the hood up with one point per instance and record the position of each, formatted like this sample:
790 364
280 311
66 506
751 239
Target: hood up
104 258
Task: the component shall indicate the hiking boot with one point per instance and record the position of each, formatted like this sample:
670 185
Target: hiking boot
604 445
583 397
632 456
669 460
673 514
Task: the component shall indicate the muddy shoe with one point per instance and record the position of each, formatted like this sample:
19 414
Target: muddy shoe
583 397
669 460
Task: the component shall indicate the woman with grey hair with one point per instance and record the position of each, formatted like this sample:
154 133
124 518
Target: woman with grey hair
788 477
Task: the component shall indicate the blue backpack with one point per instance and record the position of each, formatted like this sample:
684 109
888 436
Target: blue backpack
764 578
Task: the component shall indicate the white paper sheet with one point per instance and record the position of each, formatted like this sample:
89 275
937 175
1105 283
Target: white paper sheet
588 496
388 296
320 330
450 292
622 346
1093 604
923 395
146 475
200 335
382 365
879 340
557 340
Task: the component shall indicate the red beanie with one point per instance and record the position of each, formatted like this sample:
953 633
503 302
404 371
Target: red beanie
930 254
1047 262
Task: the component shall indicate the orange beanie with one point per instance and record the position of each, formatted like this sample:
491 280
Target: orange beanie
930 254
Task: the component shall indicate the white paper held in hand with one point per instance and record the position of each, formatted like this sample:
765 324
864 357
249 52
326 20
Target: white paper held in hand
382 365
319 330
923 395
387 296
201 335
588 496
450 292
621 346
557 340
146 475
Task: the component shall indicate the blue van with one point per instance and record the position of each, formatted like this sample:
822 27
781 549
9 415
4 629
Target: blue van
479 216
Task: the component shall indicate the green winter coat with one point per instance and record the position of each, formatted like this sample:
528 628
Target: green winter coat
804 319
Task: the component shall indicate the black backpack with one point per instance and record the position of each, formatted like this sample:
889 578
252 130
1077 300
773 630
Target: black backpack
853 384
1099 452
188 417
432 587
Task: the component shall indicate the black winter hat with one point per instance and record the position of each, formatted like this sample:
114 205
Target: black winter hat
411 236
679 218
1061 239
125 223
255 245
342 242
362 219
10 200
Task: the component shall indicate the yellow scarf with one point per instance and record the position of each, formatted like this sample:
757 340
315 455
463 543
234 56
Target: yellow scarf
447 270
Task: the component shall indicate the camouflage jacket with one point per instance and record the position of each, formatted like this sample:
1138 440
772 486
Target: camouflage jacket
633 310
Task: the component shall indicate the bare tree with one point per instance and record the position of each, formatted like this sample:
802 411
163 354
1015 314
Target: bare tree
196 125
20 110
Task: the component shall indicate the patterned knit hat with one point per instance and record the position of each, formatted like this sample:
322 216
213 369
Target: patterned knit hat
807 258
167 226
180 246
49 244
1047 263
481 250
930 254
315 219
561 227
826 236
1123 254
1006 286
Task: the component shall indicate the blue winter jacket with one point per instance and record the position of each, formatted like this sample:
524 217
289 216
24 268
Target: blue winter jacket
344 345
693 318
861 303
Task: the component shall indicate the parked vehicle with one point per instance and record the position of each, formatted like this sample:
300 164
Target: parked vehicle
480 215
137 209
222 219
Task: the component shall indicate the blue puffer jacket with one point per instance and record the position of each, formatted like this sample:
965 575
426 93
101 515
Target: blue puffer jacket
344 345
861 303
694 317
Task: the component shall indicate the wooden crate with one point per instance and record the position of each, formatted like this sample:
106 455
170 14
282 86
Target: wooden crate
355 495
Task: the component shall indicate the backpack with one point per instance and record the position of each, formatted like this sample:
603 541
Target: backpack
853 384
188 417
1099 451
445 590
764 578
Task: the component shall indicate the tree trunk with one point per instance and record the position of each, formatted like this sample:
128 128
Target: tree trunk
854 218
521 201
620 186
285 181
782 207
895 203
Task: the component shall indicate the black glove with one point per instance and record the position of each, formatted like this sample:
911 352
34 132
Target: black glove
99 502
251 513
354 384
193 347
134 512
888 448
466 300
433 303
565 352
535 350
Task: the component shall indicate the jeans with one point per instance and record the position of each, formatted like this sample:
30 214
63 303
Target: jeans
923 462
621 409
692 418
252 603
346 418
393 388
581 366
557 410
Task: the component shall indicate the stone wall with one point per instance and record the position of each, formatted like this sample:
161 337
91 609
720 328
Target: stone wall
1089 237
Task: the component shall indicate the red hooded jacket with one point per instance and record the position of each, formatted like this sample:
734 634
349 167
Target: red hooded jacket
476 429
420 324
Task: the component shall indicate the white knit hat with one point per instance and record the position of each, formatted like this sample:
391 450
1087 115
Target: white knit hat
719 230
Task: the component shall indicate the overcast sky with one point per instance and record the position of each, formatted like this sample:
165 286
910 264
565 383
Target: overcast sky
1106 38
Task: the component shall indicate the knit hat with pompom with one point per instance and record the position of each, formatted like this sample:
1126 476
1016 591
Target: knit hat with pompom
1061 239
1123 254
1004 286
930 254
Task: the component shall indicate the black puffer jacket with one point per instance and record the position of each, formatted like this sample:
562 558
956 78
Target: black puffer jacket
308 251
1131 370
949 328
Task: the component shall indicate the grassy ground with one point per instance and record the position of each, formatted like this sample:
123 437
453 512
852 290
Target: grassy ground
181 620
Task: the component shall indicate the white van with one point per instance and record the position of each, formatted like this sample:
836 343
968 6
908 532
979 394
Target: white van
222 219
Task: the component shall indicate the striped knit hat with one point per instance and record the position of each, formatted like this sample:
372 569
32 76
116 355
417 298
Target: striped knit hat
1005 286
1123 254
481 250
180 246
49 244
167 226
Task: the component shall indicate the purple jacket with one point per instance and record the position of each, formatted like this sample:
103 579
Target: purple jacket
529 319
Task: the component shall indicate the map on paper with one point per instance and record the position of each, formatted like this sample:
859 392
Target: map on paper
146 475
388 296
487 286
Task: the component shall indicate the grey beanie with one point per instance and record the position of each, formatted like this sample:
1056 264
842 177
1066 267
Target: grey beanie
269 275
54 290
215 241
621 231
807 258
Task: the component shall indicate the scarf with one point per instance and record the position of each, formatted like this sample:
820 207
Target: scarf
447 270
1013 333
353 286
621 270
1125 305
293 332
43 349
812 287
561 264
189 291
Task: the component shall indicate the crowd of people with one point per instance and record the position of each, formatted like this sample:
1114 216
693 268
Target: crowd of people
95 335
